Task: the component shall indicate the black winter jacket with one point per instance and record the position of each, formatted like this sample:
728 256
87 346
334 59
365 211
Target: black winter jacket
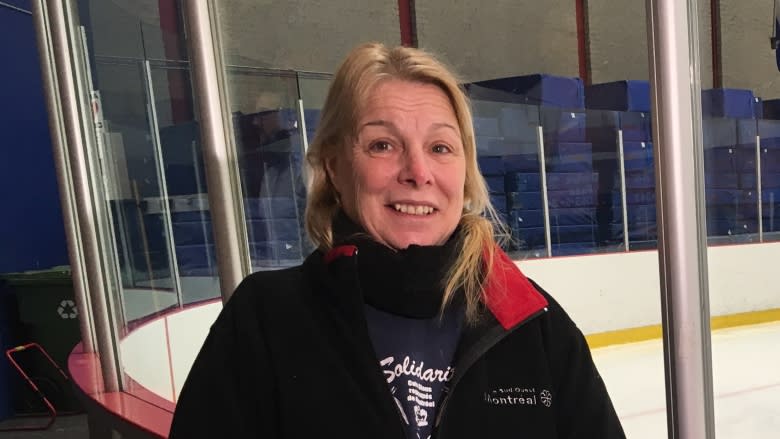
290 357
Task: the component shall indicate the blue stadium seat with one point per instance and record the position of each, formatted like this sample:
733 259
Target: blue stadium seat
276 253
270 207
631 96
569 157
637 179
563 125
728 102
499 202
635 214
192 232
490 165
638 156
196 259
571 180
540 89
528 162
495 183
574 216
274 230
522 181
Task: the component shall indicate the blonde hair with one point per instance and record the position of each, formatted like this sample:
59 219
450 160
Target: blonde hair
365 67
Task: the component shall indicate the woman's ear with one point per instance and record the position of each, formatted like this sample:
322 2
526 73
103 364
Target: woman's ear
330 176
330 165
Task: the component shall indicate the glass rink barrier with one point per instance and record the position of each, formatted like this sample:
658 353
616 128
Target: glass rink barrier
630 157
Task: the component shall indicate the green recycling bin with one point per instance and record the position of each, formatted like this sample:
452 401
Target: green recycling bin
49 317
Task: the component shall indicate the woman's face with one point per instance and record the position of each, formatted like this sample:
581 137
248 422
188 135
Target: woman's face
403 176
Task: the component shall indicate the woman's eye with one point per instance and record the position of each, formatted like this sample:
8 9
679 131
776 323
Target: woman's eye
380 146
441 148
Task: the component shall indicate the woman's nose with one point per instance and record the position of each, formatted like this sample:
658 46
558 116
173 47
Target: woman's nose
415 168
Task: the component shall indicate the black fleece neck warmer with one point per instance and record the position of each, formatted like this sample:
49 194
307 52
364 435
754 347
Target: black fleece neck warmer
408 282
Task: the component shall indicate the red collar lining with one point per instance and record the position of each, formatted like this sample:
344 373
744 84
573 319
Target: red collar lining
509 295
339 251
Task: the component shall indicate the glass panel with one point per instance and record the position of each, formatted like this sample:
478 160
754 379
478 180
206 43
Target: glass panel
270 153
313 89
156 189
596 203
741 122
264 103
136 195
507 136
179 135
769 135
141 225
730 179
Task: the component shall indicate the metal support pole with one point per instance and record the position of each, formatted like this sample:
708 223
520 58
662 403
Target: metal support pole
676 98
545 200
302 129
220 156
62 167
759 191
71 111
623 200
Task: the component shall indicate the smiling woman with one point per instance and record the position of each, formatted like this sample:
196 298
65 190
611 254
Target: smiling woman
408 313
403 177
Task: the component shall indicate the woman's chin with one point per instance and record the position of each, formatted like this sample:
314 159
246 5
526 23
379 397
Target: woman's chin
403 241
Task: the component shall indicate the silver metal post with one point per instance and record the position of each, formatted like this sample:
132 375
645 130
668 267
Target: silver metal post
759 191
623 190
69 98
92 124
162 182
304 135
220 156
676 98
545 200
62 167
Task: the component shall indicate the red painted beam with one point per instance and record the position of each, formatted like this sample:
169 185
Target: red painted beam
582 41
178 83
717 57
407 22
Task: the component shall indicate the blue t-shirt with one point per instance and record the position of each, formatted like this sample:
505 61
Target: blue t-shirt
416 358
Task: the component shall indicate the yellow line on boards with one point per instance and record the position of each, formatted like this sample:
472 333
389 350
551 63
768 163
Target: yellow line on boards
642 333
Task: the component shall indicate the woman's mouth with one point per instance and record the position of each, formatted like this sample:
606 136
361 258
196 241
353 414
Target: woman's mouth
413 209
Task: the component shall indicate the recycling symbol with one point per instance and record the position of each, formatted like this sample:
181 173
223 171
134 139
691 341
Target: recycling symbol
67 309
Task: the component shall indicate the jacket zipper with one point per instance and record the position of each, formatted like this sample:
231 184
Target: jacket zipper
367 339
460 372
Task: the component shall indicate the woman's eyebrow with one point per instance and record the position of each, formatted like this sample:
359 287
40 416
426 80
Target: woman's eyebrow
394 127
443 125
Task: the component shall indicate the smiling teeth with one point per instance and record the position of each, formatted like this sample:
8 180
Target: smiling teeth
413 210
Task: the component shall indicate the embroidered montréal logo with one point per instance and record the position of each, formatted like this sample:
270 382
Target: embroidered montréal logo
518 396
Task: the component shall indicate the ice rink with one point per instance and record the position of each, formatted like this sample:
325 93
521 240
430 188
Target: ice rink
746 376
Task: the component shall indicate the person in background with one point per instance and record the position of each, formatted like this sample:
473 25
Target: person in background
408 321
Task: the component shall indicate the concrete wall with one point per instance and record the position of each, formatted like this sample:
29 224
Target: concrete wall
748 61
501 38
303 35
126 28
480 41
618 40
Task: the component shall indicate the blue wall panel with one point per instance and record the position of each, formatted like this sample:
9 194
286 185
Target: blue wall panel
31 231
